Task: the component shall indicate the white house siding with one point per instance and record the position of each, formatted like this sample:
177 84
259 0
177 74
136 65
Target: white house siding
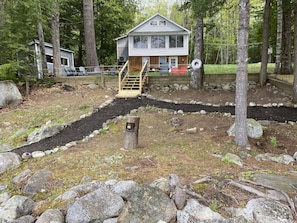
122 48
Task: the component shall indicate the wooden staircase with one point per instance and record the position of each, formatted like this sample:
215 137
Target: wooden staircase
131 85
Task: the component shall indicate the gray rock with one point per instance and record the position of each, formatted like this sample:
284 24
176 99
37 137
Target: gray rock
232 158
111 220
191 130
22 177
9 160
44 132
194 210
282 158
37 183
16 207
9 94
146 205
254 129
264 210
162 184
100 204
124 188
4 197
24 219
38 154
51 216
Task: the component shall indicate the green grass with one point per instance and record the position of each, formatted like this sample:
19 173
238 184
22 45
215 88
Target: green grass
228 69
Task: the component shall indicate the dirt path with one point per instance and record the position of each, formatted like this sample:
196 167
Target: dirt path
81 128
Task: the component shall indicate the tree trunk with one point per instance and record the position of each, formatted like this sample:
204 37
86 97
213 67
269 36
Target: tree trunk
197 75
42 52
56 41
131 135
90 40
278 49
295 53
264 53
241 138
286 58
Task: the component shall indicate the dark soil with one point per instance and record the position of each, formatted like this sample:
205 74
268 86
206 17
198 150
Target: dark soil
81 128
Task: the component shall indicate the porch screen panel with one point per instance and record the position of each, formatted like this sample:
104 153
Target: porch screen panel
158 42
140 41
176 41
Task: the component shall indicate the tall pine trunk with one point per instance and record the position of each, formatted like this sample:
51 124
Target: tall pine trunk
264 53
197 75
90 40
286 58
278 48
295 53
42 51
241 137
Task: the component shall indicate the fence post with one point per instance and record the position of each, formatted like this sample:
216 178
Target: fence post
131 133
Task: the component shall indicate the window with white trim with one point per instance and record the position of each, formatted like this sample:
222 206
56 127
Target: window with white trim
176 41
140 42
158 42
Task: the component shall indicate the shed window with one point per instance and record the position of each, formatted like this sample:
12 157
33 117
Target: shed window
140 41
158 42
176 41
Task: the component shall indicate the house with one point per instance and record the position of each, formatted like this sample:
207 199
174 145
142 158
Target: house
159 40
67 58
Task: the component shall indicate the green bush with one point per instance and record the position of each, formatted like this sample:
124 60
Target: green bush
9 72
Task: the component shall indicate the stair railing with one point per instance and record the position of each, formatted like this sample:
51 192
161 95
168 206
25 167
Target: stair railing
143 75
123 73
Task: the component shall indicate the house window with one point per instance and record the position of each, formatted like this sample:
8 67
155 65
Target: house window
158 42
154 23
162 23
176 41
64 61
50 59
140 41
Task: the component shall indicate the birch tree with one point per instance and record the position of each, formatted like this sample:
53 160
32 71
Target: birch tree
241 138
56 39
278 48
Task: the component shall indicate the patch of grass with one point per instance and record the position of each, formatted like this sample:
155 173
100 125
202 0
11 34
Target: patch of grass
83 107
274 141
214 206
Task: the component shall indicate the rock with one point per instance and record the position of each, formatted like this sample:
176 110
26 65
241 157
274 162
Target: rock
191 130
267 211
194 211
16 207
51 216
9 94
4 197
37 183
146 205
282 158
22 177
177 194
165 90
162 184
93 86
44 132
38 154
254 129
100 204
9 160
124 188
232 158
24 219
67 87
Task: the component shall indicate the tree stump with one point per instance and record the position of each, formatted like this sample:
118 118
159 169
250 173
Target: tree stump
131 134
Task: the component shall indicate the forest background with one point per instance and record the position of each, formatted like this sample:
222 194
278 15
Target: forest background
19 26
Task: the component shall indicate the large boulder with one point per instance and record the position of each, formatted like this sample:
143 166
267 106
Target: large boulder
16 207
37 183
254 129
44 132
9 94
51 215
99 205
9 160
148 204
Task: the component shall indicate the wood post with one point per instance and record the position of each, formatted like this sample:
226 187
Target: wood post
131 134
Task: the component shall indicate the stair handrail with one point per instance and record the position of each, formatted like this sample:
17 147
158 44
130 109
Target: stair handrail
143 74
123 73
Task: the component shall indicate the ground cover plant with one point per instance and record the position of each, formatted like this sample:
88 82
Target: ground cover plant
163 147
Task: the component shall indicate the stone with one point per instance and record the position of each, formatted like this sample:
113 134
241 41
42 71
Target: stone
267 211
254 129
282 158
9 160
146 205
191 130
4 197
162 184
232 158
44 132
24 219
37 182
9 94
100 204
38 154
16 207
51 215
93 86
21 177
194 210
124 188
5 147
